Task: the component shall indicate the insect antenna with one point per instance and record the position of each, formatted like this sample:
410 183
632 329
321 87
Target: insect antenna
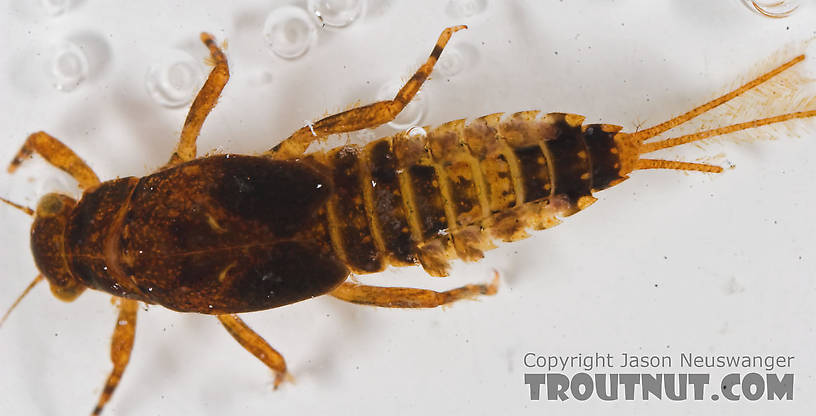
19 298
23 208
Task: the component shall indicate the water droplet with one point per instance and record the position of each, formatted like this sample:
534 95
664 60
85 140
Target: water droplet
175 79
412 114
417 132
262 77
336 13
773 9
289 32
55 7
465 8
456 58
68 66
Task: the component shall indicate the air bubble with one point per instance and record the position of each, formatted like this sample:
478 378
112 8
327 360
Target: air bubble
68 66
55 7
775 9
412 114
175 80
289 32
336 13
417 132
465 8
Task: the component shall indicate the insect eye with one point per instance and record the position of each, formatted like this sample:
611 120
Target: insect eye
50 204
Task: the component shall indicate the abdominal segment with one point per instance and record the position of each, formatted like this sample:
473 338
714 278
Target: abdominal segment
450 193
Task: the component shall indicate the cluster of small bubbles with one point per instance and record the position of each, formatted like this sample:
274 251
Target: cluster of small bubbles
336 13
774 9
68 66
412 114
289 32
55 7
465 8
175 80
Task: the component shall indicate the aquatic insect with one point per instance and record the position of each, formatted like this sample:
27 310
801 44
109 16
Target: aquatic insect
228 234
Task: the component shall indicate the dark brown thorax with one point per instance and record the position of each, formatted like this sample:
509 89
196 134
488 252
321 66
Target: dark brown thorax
223 234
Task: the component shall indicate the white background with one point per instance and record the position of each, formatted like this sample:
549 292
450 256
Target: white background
664 263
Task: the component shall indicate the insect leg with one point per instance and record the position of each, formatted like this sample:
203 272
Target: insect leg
57 154
204 102
406 297
121 346
256 345
365 117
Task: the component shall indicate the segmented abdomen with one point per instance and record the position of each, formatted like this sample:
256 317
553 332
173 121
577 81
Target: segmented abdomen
409 199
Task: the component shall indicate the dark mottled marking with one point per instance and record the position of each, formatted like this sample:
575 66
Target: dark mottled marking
95 208
428 200
463 192
281 195
89 226
437 51
572 171
535 175
605 164
499 183
350 210
388 205
258 277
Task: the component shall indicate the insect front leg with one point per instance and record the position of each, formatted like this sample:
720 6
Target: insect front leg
406 297
365 117
202 105
256 345
121 346
57 154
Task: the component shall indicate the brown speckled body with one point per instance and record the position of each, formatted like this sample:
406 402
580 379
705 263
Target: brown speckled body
228 233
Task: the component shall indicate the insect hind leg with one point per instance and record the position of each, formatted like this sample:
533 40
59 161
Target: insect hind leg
121 346
256 345
365 117
204 103
406 297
